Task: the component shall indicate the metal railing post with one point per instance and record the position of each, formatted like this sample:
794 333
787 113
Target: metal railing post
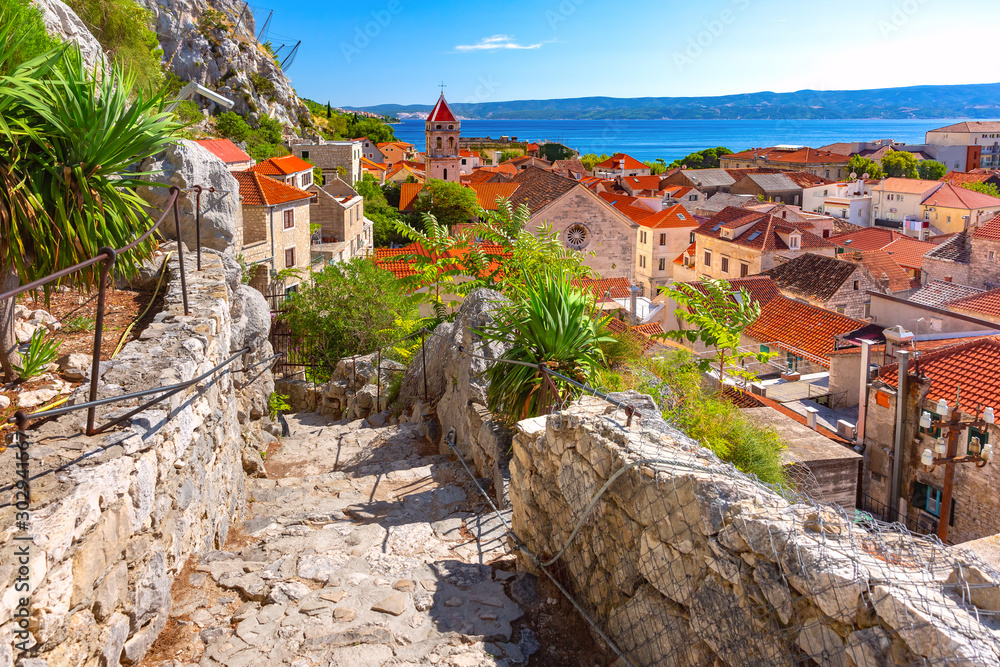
95 364
197 222
423 354
180 257
378 381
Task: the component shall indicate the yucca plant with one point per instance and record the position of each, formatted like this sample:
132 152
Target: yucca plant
40 354
69 138
550 322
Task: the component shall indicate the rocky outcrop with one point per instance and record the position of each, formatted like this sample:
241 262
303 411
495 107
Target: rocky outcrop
62 22
213 43
681 559
113 518
186 164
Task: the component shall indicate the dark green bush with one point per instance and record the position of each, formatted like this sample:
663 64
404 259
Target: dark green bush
33 40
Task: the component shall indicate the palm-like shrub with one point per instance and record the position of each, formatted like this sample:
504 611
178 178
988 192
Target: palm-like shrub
550 323
67 144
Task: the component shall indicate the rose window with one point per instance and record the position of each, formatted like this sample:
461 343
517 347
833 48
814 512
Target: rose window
577 237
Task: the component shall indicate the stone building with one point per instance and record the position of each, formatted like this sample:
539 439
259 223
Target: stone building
826 282
276 233
583 220
442 157
972 365
971 257
344 231
661 237
737 243
336 159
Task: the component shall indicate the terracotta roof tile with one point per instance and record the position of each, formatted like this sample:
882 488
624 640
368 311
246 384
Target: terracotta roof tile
974 365
883 268
950 196
989 229
797 326
399 262
225 150
867 238
281 166
909 186
612 162
982 126
488 193
642 182
257 190
761 288
909 252
408 194
957 178
983 303
618 286
672 217
760 230
812 276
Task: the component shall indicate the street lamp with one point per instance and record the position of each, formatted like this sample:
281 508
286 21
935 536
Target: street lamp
947 454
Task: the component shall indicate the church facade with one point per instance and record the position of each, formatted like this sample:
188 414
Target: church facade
442 158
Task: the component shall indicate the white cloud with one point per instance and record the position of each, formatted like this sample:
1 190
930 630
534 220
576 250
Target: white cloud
496 43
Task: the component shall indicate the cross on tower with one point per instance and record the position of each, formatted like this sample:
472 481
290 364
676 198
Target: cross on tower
442 87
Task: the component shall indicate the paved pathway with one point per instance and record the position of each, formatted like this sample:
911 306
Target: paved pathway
361 549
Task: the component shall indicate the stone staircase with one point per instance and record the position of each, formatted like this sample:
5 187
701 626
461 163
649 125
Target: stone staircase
363 546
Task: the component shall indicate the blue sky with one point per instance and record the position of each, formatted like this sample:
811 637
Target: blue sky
397 51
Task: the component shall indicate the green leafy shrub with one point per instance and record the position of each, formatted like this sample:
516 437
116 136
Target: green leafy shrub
715 422
262 84
213 19
78 323
551 324
32 38
232 126
189 112
350 308
277 403
40 354
124 29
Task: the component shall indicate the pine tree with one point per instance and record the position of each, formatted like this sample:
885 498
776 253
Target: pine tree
329 113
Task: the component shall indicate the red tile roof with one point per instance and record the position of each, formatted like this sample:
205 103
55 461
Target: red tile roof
800 156
690 251
505 168
612 162
950 196
225 150
257 190
619 287
883 268
642 182
281 166
488 193
800 327
400 262
989 229
531 146
539 188
985 303
368 164
909 252
441 111
761 288
760 230
974 365
672 217
407 195
957 178
869 238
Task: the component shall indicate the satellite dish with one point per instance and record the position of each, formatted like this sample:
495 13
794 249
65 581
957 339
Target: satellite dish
865 176
684 166
853 175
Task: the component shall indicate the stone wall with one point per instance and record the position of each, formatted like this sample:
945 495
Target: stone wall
114 517
683 560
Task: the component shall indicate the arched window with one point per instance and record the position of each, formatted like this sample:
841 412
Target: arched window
438 127
439 142
451 127
451 142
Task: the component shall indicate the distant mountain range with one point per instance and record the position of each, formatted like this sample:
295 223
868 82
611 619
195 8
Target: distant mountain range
964 101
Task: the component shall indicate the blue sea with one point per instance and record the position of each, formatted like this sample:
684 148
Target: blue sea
672 139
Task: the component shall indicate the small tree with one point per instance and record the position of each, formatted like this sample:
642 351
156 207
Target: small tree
718 316
449 203
350 308
656 167
590 160
900 164
861 165
329 111
931 170
510 155
984 188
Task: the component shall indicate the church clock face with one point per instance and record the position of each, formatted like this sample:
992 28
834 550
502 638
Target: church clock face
577 237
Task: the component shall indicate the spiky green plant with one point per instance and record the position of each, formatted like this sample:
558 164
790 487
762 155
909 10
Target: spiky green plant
68 144
40 354
550 322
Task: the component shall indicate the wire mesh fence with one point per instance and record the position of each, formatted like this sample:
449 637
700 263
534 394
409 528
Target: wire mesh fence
676 558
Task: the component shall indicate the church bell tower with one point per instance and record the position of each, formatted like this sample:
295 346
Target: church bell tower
442 130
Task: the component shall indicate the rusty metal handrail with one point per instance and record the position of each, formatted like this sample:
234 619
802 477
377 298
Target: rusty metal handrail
109 255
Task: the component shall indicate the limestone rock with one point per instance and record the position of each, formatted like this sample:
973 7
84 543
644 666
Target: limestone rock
185 165
64 23
976 586
74 366
394 604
